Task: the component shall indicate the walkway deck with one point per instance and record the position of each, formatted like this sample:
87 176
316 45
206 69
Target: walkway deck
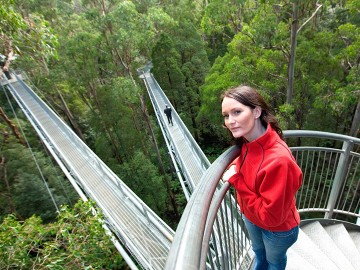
136 226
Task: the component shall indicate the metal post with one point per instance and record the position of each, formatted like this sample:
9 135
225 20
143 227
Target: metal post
339 179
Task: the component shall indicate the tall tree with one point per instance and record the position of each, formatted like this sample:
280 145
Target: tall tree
183 70
259 55
30 181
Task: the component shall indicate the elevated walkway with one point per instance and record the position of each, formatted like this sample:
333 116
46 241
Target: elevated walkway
188 158
211 234
140 234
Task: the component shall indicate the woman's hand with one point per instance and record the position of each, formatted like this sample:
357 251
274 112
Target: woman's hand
228 173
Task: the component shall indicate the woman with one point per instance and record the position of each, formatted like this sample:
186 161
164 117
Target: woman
265 175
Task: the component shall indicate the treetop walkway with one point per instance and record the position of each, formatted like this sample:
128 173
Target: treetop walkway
211 234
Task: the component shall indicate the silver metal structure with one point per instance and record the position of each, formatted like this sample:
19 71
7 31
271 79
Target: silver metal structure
192 163
211 234
188 158
137 228
331 185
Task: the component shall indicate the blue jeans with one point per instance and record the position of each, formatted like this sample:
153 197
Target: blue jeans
270 247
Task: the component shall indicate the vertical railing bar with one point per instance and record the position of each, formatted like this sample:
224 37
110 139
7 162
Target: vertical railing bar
221 246
218 243
342 196
231 232
305 177
332 180
339 177
232 217
213 239
234 225
313 179
238 250
357 206
296 156
352 181
240 232
210 255
320 177
225 245
226 230
325 177
303 190
239 235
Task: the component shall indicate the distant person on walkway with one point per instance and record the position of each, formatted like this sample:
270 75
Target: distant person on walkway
168 111
265 176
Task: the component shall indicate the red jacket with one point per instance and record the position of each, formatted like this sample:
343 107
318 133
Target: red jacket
266 180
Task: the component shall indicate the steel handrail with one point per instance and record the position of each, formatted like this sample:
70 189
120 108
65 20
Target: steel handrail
189 235
140 211
187 250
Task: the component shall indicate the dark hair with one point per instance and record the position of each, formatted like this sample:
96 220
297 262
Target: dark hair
250 97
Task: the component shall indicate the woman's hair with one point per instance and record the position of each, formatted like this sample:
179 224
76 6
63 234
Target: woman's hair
248 96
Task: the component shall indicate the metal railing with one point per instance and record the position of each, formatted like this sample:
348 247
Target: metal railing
138 233
189 170
331 168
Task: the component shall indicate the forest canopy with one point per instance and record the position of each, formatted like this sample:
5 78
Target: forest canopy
82 57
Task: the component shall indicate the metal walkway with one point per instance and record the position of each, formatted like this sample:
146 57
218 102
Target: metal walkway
154 245
145 237
188 158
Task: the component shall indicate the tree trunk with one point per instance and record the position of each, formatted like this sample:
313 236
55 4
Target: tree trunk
8 190
356 121
12 126
71 118
293 41
294 32
107 127
138 128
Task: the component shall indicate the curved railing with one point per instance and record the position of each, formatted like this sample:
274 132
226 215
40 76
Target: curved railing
331 188
331 168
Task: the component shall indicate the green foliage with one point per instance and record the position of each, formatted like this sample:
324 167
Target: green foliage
76 240
167 66
258 56
119 107
285 115
31 183
159 20
131 34
90 53
221 21
223 17
28 35
180 65
143 178
11 20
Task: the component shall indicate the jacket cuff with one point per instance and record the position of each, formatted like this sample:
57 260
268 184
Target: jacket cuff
233 179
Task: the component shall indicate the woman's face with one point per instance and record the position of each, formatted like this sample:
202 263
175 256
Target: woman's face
239 119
